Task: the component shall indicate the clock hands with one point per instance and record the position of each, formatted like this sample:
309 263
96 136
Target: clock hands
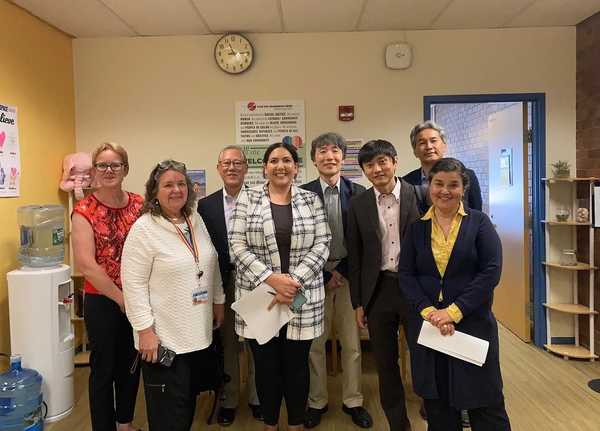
233 53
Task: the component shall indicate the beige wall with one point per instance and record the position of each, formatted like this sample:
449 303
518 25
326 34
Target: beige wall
37 78
165 97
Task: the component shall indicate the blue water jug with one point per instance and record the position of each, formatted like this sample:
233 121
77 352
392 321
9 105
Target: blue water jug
20 398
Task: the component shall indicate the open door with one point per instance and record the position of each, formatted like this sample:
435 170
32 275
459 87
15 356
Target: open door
508 198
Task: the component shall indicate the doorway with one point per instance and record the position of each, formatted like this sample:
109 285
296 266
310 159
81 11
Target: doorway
502 138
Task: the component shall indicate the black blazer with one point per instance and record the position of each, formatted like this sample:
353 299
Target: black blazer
472 198
348 189
472 273
212 212
364 240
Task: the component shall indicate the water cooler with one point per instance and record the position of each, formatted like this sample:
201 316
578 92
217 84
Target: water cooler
41 331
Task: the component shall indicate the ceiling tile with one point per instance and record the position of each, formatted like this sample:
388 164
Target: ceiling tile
555 12
400 14
79 18
114 18
159 17
319 15
252 16
479 13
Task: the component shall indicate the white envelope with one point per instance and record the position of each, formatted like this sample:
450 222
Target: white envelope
459 345
262 323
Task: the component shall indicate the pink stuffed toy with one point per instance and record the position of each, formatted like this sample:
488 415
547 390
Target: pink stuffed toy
77 173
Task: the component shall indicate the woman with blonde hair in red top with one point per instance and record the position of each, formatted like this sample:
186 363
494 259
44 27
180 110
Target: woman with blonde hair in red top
100 224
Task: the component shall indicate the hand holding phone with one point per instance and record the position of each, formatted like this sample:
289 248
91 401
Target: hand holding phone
298 302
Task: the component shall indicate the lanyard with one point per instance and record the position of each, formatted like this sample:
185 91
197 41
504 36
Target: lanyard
193 247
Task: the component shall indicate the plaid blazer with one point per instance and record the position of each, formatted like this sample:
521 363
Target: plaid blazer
256 256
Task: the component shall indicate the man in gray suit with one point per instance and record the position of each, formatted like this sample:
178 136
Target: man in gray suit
377 220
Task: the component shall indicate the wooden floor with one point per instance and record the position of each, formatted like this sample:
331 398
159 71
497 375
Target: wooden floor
543 392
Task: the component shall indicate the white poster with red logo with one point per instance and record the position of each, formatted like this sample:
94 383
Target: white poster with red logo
259 124
10 159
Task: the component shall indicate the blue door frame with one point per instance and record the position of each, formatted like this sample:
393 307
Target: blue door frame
538 119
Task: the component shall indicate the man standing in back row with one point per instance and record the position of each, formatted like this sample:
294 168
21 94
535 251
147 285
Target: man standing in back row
377 221
328 152
216 210
429 145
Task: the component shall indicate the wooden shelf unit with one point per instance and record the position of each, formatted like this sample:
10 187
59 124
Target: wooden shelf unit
568 351
573 309
564 223
569 179
581 266
82 357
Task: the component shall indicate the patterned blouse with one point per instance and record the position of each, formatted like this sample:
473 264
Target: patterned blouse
110 226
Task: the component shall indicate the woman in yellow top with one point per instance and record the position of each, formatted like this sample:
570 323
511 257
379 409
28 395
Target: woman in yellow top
450 263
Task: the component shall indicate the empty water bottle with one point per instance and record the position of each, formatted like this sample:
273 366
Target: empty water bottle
20 398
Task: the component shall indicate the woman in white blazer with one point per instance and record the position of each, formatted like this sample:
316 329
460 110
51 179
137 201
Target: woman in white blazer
173 296
280 236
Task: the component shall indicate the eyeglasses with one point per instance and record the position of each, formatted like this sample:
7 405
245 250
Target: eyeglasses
114 166
237 164
171 164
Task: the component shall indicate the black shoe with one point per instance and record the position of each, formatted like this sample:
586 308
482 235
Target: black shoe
360 416
422 411
313 417
226 416
256 412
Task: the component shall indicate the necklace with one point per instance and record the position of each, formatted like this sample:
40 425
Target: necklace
178 219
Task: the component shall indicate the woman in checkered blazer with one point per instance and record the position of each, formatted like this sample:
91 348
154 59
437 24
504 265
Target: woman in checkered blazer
280 236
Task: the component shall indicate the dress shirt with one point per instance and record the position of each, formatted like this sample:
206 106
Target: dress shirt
228 205
441 247
333 207
388 210
424 178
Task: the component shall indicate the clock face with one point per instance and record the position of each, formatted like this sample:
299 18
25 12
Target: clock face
234 53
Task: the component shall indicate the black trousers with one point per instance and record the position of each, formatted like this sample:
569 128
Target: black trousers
171 391
386 312
282 373
441 416
112 387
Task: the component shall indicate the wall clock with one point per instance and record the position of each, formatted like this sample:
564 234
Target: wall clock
234 53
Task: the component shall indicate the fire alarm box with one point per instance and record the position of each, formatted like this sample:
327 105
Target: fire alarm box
346 113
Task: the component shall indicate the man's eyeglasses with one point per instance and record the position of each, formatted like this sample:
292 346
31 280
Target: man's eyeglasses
237 164
114 166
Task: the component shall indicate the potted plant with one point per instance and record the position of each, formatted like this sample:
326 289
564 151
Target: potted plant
561 169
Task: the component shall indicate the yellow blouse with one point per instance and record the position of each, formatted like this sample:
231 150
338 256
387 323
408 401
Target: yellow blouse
442 249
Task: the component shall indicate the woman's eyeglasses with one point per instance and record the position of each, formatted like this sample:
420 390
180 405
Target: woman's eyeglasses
114 166
171 164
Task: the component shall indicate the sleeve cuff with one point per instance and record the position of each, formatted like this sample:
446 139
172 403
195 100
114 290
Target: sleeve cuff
454 312
425 312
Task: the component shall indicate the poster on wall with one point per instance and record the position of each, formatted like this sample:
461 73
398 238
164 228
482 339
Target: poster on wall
351 169
10 159
198 177
259 124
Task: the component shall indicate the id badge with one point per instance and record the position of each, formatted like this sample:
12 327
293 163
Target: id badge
199 296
